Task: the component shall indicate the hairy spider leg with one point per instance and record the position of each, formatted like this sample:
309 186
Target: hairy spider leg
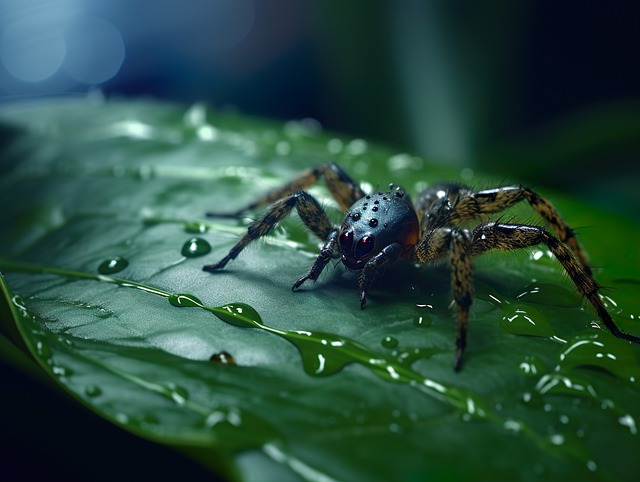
501 236
458 204
463 246
455 243
343 189
462 287
326 254
308 209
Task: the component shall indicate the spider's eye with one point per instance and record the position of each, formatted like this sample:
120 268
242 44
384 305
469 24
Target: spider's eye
346 240
364 246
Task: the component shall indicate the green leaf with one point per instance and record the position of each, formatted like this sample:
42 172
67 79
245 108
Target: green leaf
103 241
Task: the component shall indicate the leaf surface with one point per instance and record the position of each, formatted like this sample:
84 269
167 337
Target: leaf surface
103 241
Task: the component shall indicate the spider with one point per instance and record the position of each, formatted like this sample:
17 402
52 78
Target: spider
383 227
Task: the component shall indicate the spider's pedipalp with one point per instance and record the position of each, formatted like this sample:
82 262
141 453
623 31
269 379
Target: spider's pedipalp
388 254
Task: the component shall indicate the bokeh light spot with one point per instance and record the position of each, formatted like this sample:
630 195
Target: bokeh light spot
95 50
29 52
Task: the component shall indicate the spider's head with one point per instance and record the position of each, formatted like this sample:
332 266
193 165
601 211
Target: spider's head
356 250
374 222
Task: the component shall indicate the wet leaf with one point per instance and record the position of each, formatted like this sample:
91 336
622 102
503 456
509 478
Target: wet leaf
103 240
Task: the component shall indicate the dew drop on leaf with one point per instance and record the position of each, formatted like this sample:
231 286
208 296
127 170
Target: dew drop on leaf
92 390
531 366
604 351
184 301
61 371
43 349
410 356
389 342
238 314
113 265
525 320
178 394
195 228
222 358
195 247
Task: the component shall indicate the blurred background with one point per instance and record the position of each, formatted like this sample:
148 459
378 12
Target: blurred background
535 90
543 92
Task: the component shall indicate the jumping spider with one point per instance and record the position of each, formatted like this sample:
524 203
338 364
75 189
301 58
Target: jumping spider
382 227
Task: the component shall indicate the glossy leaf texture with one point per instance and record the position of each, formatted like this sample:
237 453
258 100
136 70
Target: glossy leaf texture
104 236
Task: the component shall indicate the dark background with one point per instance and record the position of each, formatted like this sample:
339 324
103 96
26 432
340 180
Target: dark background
541 90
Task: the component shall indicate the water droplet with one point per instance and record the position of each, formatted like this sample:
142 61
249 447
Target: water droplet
283 148
222 358
525 320
604 351
558 384
195 227
184 301
122 418
628 421
239 314
322 353
179 394
67 341
400 422
232 416
92 390
196 115
557 439
113 265
357 147
547 294
335 146
408 357
60 371
532 366
43 350
512 426
422 322
195 247
389 342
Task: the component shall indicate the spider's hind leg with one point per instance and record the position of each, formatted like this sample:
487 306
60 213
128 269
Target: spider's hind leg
343 189
502 236
472 205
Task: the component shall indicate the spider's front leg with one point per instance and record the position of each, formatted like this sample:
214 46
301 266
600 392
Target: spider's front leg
308 209
326 253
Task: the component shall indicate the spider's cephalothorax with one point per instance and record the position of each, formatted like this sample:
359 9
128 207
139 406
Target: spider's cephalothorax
381 222
382 227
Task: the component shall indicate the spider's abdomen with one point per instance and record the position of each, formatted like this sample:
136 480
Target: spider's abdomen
375 222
